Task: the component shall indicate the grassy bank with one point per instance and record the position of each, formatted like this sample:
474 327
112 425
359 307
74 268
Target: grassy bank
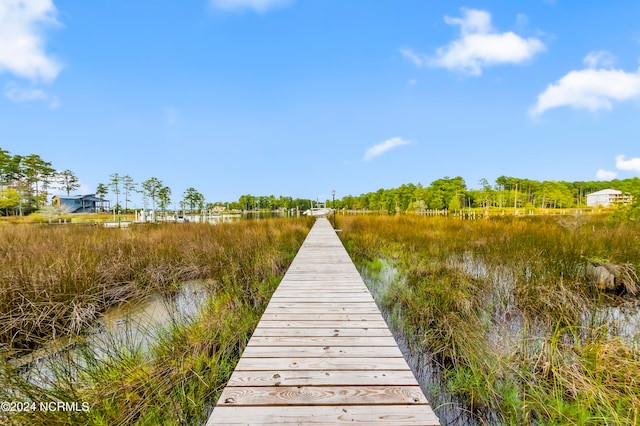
58 279
513 312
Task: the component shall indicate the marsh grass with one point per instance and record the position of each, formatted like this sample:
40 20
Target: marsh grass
176 379
508 309
58 279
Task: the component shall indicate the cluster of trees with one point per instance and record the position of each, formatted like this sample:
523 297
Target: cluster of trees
152 190
25 182
453 194
268 202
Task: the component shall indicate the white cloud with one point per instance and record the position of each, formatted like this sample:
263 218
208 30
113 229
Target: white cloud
22 50
479 46
599 59
590 89
602 174
417 59
257 5
19 94
383 147
632 164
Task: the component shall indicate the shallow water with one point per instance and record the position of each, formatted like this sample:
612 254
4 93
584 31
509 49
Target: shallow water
505 333
622 322
449 409
138 322
132 325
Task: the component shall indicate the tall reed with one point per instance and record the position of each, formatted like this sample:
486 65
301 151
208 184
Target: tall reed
179 377
57 279
508 308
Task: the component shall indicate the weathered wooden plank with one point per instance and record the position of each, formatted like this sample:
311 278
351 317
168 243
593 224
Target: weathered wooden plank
313 332
325 279
320 285
322 378
323 324
326 416
320 298
323 288
288 316
321 395
322 353
319 278
322 305
311 294
310 308
326 351
373 342
274 364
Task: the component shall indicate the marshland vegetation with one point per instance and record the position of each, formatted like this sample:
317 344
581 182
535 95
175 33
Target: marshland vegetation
521 328
58 280
532 320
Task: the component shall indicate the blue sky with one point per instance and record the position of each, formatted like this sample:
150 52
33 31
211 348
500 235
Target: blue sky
299 97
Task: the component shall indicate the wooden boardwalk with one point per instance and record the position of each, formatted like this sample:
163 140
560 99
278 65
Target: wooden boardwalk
322 353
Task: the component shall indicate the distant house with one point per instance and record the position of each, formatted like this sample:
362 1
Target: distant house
81 203
607 198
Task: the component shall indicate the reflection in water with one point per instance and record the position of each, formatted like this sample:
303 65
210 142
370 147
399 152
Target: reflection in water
139 321
233 217
132 325
144 217
504 334
449 409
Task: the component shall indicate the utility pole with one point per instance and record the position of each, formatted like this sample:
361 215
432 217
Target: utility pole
333 195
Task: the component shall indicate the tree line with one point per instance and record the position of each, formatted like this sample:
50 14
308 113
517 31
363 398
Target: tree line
26 182
453 194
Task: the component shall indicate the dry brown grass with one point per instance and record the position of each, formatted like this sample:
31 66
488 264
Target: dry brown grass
564 354
55 280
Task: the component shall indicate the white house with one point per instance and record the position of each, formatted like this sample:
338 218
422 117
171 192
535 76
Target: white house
607 197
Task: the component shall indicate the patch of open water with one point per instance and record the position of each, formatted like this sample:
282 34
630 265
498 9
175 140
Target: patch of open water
450 409
133 325
505 333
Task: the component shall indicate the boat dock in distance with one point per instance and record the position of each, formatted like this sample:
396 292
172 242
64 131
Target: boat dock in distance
322 354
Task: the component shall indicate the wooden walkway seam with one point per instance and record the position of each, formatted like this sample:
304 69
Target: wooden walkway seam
322 354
